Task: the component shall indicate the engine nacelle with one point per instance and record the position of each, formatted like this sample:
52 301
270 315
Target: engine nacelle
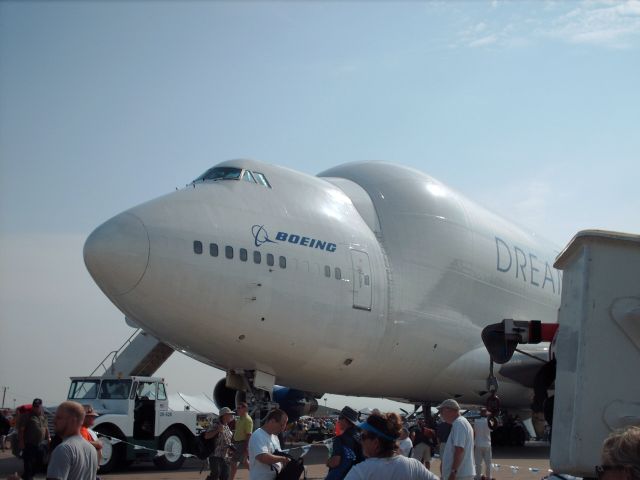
295 402
224 396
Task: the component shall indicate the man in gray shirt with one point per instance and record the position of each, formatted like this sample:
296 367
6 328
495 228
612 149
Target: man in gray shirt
74 458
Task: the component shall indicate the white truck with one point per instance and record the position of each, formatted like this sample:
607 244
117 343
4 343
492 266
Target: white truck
134 412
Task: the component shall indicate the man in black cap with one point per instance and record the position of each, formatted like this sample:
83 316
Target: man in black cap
347 450
33 433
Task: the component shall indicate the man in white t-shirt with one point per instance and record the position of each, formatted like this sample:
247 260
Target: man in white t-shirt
264 465
405 444
74 458
482 439
457 454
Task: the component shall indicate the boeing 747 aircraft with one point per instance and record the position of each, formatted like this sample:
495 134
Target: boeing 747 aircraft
369 279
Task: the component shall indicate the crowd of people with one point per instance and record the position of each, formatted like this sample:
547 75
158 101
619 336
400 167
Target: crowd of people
380 447
72 454
311 429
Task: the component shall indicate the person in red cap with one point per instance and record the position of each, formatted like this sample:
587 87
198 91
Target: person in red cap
32 433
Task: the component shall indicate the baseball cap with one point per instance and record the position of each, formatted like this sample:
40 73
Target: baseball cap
449 403
89 411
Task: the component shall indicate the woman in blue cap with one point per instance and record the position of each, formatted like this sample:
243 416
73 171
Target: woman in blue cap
380 434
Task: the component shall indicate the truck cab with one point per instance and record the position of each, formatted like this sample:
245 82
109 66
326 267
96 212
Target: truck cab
135 420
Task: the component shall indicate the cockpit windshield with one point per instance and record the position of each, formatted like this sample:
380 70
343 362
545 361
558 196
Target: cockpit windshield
233 173
220 173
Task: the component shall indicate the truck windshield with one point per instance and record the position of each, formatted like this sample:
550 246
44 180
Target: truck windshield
115 389
83 389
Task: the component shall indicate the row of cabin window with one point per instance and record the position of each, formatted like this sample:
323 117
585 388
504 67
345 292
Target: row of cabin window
257 257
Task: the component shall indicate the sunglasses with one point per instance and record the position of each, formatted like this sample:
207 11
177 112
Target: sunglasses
602 469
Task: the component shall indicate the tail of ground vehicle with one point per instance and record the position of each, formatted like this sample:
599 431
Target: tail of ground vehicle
134 412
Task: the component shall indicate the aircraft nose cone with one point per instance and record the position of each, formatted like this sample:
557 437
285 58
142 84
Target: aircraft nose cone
117 253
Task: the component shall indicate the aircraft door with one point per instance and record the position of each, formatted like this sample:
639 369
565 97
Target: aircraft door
361 280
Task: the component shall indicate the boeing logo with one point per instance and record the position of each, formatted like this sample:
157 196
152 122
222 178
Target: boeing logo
261 236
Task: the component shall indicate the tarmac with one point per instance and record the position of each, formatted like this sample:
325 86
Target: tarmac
530 462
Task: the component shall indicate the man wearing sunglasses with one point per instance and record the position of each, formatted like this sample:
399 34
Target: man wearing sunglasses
457 454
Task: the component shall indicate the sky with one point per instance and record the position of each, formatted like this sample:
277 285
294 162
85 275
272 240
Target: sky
531 109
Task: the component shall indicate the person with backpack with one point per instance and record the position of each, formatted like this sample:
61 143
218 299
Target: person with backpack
347 449
220 458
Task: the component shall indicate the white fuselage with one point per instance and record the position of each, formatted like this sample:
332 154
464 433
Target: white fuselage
386 281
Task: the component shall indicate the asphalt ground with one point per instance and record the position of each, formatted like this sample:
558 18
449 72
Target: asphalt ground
534 455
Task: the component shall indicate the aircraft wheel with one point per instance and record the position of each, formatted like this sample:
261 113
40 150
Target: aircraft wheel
173 443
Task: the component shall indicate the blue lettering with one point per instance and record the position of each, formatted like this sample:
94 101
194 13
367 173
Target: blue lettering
293 238
521 265
498 242
261 236
533 269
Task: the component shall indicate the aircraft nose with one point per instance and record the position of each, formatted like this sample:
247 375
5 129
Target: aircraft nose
117 253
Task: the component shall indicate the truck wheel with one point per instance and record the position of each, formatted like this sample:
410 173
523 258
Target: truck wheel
172 442
112 454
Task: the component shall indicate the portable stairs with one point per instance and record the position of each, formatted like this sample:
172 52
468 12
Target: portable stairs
141 354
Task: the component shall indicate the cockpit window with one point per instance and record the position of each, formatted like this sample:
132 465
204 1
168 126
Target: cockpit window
248 177
261 179
220 173
233 173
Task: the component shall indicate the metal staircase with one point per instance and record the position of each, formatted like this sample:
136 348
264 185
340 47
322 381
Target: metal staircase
141 354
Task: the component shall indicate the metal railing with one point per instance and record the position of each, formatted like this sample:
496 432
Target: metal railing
113 355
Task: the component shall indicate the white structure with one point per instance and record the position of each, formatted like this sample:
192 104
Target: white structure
598 347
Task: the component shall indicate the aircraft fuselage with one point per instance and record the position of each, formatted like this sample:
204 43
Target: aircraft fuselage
370 279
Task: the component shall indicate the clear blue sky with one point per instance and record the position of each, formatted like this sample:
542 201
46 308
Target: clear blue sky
530 108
